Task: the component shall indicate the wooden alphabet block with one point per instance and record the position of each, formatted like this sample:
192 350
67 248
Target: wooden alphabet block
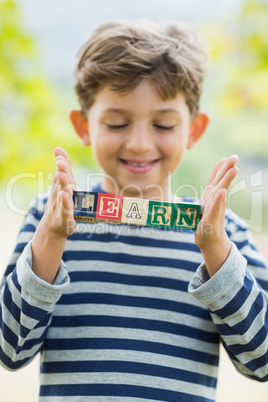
102 207
135 211
160 214
109 208
85 206
186 216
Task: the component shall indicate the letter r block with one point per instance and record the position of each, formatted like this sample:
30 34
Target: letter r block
160 214
109 208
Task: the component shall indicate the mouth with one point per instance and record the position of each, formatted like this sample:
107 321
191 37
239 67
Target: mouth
139 166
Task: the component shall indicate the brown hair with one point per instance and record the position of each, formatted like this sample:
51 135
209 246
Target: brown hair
121 54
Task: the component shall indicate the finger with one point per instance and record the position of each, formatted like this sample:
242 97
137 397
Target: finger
228 164
58 151
60 188
53 194
65 216
228 178
65 203
61 158
215 210
215 169
63 166
62 180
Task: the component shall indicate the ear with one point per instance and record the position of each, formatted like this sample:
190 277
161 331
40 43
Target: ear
80 124
197 129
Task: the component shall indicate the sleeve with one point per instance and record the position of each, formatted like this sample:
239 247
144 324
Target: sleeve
26 301
237 297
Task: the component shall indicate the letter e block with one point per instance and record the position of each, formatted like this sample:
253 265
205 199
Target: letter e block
135 211
109 208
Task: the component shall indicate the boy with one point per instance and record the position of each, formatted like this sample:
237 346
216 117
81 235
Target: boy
137 316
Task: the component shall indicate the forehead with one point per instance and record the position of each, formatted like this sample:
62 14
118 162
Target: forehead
144 97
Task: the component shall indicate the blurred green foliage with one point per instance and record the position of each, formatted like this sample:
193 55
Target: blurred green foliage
235 97
238 50
244 51
32 118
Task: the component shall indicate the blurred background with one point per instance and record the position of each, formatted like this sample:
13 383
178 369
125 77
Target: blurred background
38 46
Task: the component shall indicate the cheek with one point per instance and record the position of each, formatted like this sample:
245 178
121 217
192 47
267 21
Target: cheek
104 147
173 146
174 149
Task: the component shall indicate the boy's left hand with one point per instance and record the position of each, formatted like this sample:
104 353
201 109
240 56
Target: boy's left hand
210 235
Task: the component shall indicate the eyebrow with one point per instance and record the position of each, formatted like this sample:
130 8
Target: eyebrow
120 111
114 110
163 111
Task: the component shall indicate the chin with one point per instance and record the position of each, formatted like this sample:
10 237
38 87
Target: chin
135 191
140 192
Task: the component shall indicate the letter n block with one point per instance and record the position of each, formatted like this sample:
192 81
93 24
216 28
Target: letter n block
85 206
187 216
160 214
135 211
109 208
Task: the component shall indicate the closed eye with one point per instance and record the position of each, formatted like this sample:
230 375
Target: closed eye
116 127
121 126
165 128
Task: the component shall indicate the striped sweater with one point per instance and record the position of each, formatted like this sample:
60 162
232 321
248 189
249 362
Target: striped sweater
133 315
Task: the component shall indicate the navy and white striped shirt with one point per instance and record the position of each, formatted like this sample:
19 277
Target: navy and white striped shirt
133 315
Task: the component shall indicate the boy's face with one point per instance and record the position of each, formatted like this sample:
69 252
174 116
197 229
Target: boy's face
138 139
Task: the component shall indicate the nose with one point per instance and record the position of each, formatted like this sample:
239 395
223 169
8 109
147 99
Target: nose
140 139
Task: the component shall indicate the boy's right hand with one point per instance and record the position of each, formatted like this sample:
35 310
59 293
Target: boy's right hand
59 216
57 222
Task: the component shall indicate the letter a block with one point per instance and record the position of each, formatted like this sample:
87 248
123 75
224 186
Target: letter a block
85 206
109 208
135 211
187 216
160 214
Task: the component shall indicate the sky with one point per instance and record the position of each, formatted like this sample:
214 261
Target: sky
60 27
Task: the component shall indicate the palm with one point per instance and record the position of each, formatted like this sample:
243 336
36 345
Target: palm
59 212
213 203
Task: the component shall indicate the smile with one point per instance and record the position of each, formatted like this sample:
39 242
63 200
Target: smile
136 166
